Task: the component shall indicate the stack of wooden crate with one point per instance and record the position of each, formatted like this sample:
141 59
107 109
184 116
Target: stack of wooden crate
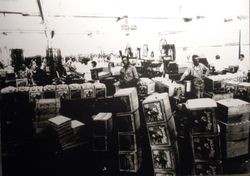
162 133
233 117
102 141
127 123
204 136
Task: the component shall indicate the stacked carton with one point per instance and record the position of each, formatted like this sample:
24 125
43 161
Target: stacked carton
162 133
204 136
127 123
233 117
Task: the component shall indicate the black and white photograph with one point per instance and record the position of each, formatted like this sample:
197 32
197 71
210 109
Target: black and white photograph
124 87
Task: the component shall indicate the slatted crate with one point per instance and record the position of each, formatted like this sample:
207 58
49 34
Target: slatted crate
234 139
88 91
100 90
206 148
62 91
207 168
127 122
157 108
202 117
49 91
130 161
161 134
164 158
127 142
75 91
103 124
126 101
146 86
35 92
233 110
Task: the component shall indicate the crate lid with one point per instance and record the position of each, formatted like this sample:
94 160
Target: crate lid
200 103
232 102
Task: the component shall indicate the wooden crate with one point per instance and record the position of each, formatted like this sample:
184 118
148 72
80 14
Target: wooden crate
162 134
127 142
231 86
231 149
127 122
234 131
146 86
75 91
205 147
103 124
49 91
157 108
213 83
243 91
35 92
164 158
233 110
100 90
201 113
88 91
207 168
126 100
47 106
130 161
62 91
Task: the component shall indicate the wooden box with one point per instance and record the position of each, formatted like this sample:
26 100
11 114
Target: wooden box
22 82
207 168
205 147
49 91
243 91
201 114
157 108
163 159
62 91
128 122
233 110
213 83
127 142
126 100
235 148
231 86
75 91
234 131
88 91
146 86
100 90
45 107
130 161
102 124
159 135
35 92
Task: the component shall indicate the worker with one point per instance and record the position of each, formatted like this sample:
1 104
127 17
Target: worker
128 74
197 72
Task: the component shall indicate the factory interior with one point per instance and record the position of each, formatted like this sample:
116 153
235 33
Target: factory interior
124 88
